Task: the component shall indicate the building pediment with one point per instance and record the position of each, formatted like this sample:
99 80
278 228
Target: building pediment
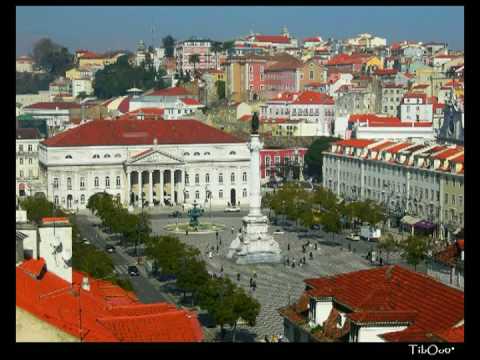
154 157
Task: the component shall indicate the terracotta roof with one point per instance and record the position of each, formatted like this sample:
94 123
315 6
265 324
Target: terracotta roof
397 148
284 65
344 59
452 335
396 289
49 220
381 146
134 132
54 105
33 267
359 143
420 86
311 97
279 39
189 101
415 96
108 313
284 96
175 91
313 39
27 133
447 153
147 111
393 86
383 316
386 72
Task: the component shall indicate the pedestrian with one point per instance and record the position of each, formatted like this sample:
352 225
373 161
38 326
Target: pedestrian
254 275
238 276
288 247
186 232
311 255
381 261
316 246
210 255
216 235
254 286
220 241
304 260
251 282
217 249
288 261
266 339
233 230
221 269
293 263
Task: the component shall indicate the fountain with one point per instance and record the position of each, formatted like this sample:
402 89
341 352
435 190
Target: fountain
194 226
254 245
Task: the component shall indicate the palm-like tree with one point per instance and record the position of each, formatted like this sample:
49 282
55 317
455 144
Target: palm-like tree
216 48
194 59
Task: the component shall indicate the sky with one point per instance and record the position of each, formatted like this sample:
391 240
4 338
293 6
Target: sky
101 28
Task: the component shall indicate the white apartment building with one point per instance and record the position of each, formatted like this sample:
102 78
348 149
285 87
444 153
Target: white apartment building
57 114
392 95
415 107
161 162
81 86
408 178
27 170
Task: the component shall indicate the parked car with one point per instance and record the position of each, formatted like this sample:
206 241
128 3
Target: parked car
232 209
86 241
133 271
176 213
278 232
369 233
110 249
316 227
353 237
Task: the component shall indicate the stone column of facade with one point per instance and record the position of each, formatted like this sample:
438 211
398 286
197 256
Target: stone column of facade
140 187
172 188
129 187
181 188
150 188
160 198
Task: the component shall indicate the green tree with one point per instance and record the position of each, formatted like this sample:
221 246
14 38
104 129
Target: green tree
169 45
414 250
314 155
38 208
192 275
220 85
27 83
216 48
52 57
243 307
168 252
388 244
330 221
228 45
194 59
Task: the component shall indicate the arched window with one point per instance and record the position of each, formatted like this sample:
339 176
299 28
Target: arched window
197 194
220 178
186 179
206 153
244 177
207 178
118 181
68 156
118 155
106 156
187 195
69 183
82 199
55 183
96 156
96 181
244 193
220 194
82 183
21 161
186 154
232 177
233 152
107 181
196 153
55 200
197 179
267 160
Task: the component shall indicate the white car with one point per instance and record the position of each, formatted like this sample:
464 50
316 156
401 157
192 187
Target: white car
232 209
353 237
278 232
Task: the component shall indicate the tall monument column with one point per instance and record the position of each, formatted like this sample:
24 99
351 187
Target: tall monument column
254 244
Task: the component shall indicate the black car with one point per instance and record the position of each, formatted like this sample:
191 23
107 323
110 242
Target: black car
110 249
133 271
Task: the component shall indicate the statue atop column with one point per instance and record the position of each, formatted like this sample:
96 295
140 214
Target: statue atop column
255 123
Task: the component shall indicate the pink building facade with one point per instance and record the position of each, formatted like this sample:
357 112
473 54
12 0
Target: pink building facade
274 161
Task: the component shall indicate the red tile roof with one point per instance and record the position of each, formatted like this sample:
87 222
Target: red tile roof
124 105
33 267
189 101
147 111
134 132
48 220
279 39
311 97
397 148
313 39
381 146
362 317
358 143
382 72
344 59
396 289
108 313
452 335
447 153
175 91
420 86
53 105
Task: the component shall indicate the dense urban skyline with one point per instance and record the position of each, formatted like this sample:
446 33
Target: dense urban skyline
122 27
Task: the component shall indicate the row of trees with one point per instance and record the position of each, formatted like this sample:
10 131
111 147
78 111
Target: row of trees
85 258
323 207
225 302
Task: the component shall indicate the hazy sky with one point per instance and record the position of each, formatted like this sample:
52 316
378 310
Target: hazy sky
101 28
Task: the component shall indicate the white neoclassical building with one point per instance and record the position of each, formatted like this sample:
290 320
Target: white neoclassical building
171 161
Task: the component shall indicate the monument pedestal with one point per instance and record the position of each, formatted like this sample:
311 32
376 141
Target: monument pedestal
254 244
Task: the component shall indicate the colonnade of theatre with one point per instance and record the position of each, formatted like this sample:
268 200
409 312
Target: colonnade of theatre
156 185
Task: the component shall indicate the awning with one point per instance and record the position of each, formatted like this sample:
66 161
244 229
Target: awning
21 186
425 225
410 220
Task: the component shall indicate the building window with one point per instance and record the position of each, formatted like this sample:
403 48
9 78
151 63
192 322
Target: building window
69 183
107 182
187 195
196 154
21 161
186 179
106 156
277 160
233 153
82 183
96 156
55 183
244 193
96 182
220 178
244 177
220 194
21 173
30 161
118 155
446 199
186 154
460 200
68 156
232 178
207 178
118 181
267 160
30 148
55 200
82 199
197 179
20 148
197 194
